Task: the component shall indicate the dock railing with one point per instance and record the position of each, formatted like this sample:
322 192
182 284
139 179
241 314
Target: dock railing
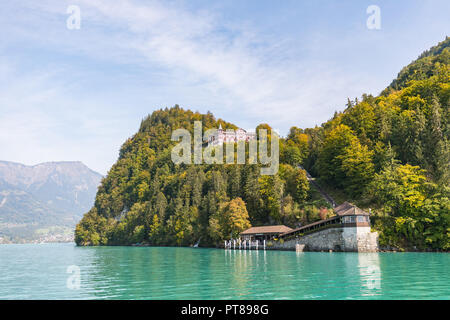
238 244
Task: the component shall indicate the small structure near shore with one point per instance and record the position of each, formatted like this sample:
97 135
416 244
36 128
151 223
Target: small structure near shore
347 215
348 230
264 232
256 237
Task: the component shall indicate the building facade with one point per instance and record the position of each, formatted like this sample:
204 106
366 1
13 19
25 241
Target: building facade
230 136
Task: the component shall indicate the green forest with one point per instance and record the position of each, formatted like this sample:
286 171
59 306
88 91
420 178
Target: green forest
389 153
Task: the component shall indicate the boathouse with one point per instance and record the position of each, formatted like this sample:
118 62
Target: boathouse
352 216
264 232
348 230
347 215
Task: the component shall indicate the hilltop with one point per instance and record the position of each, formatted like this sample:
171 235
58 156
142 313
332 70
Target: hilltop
389 153
146 198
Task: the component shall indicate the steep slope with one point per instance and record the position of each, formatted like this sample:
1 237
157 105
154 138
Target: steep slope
146 198
427 64
392 152
44 195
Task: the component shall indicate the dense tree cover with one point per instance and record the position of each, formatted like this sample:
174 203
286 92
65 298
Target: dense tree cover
424 67
392 153
414 210
146 198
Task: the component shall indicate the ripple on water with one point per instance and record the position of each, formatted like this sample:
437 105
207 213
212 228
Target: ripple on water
40 272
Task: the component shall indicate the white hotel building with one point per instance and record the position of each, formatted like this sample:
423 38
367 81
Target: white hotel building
224 136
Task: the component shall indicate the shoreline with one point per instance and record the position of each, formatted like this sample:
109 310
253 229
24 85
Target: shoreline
384 250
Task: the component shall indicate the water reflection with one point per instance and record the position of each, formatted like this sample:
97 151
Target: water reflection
370 273
184 273
39 272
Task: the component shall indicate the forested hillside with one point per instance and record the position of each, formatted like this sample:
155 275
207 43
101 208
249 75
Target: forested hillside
146 198
389 153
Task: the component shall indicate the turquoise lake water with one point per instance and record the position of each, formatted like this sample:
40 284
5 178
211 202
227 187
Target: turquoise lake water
40 271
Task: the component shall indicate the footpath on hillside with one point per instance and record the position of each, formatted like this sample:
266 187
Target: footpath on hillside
325 195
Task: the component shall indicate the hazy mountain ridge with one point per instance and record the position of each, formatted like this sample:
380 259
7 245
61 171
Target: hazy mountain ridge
44 195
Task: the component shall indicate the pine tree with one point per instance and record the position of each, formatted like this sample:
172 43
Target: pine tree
438 155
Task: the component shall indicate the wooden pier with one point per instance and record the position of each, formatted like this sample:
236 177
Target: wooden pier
238 244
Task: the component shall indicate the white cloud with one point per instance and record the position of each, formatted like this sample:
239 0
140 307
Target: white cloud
42 121
240 64
248 73
195 58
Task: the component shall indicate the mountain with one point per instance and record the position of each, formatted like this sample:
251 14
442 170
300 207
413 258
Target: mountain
429 63
147 198
389 153
43 197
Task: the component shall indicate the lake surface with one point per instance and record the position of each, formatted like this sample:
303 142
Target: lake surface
40 271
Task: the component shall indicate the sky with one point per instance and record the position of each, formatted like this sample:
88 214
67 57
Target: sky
77 94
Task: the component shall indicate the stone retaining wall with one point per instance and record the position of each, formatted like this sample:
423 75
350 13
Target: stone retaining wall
357 239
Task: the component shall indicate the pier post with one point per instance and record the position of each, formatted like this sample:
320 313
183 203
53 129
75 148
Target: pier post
234 244
257 243
239 244
264 244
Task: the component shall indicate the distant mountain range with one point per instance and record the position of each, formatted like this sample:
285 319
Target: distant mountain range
44 201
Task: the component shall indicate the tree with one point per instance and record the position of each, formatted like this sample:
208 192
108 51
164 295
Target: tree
357 167
420 211
93 229
235 181
437 151
291 214
329 162
235 218
215 230
296 148
301 186
271 190
361 118
344 162
155 230
252 195
290 153
401 189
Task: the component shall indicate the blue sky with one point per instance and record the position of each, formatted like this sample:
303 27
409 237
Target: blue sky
78 94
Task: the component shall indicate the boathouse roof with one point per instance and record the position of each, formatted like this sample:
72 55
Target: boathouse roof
267 229
309 226
348 208
345 209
